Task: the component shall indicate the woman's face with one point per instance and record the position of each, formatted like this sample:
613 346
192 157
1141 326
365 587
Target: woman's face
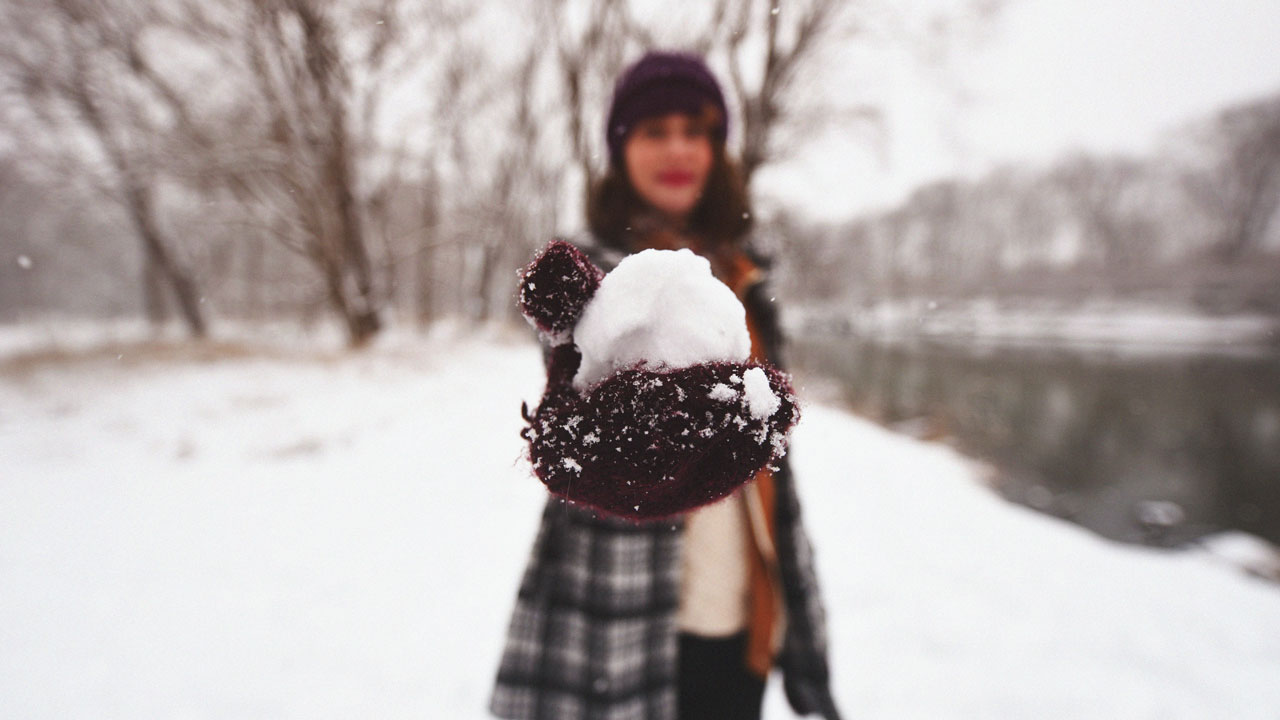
668 159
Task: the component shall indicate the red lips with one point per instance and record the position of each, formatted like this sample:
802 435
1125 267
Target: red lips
675 178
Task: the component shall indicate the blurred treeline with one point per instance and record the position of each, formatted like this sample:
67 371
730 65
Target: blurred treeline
197 161
1193 227
397 160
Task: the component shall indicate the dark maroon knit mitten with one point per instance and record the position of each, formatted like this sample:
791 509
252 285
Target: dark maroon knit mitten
556 286
647 444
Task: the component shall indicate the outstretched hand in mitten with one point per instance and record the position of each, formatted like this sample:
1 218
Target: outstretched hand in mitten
651 407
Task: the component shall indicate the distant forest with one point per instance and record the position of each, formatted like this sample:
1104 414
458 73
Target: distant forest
374 161
358 161
1194 226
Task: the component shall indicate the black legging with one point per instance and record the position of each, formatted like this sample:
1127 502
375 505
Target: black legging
714 683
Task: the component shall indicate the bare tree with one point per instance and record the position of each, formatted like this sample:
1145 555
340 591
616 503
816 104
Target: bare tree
1243 187
527 214
267 115
588 56
312 77
767 44
1096 191
791 34
303 80
78 65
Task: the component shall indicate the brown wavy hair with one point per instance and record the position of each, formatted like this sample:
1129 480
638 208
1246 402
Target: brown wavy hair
617 215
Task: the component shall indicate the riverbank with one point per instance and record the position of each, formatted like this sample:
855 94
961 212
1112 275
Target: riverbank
291 534
1113 328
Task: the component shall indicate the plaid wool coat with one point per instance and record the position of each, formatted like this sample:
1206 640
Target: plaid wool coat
593 635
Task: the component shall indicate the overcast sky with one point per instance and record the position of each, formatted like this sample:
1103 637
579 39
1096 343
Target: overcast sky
1050 76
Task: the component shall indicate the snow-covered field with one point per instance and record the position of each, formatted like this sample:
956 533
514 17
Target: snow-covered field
293 534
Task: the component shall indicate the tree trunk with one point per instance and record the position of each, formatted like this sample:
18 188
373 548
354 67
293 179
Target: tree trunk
424 287
255 279
360 309
153 304
350 279
179 281
133 185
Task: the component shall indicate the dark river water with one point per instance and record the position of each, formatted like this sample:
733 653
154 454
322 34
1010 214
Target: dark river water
1146 450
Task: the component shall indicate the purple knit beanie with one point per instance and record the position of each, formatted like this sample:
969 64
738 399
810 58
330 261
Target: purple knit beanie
657 84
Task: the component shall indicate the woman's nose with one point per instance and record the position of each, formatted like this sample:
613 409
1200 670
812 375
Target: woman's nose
678 144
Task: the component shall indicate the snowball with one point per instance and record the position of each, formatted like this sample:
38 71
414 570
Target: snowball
761 400
659 309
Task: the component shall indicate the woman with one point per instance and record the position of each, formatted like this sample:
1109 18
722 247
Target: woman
678 619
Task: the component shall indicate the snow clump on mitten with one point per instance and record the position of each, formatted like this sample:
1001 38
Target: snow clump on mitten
653 406
659 310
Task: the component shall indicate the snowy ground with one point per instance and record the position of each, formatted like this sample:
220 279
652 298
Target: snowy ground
291 535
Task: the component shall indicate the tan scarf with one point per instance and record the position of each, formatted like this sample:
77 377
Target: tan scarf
763 613
732 267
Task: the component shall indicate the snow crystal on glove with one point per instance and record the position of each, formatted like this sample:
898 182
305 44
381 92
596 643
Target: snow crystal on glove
761 400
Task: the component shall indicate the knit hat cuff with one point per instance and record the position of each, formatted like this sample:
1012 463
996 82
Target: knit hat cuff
658 84
659 98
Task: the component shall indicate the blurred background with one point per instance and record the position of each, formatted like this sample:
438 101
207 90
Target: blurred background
1047 233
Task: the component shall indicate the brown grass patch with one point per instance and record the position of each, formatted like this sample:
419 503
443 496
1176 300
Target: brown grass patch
153 352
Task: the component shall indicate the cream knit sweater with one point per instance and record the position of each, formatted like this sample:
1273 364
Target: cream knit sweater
715 580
